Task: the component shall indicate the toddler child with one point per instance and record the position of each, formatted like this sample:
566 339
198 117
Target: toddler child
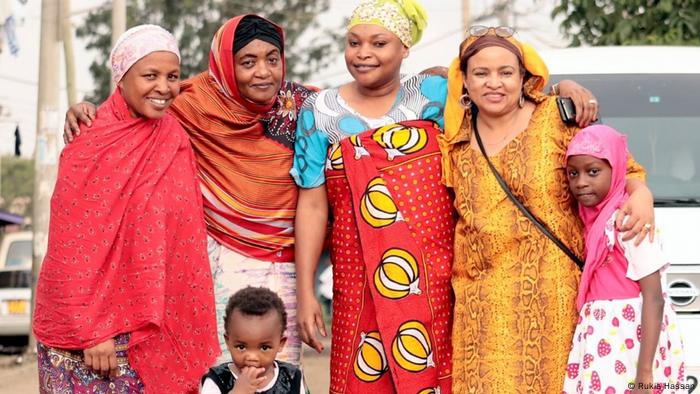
254 322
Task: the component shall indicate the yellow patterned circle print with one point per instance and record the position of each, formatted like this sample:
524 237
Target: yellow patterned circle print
359 149
377 207
430 390
370 361
399 140
334 161
411 347
397 274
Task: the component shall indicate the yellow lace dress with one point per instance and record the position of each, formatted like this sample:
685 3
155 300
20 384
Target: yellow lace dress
515 313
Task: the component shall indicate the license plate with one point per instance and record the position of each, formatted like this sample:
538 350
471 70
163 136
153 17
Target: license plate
16 307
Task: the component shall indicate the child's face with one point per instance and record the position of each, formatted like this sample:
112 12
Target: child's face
589 179
254 341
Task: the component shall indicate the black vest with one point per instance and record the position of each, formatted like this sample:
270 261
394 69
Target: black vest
288 379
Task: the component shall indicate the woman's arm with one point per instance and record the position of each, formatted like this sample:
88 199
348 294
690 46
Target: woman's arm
83 112
636 216
652 315
309 233
585 102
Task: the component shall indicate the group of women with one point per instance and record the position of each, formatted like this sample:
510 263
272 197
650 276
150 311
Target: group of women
422 302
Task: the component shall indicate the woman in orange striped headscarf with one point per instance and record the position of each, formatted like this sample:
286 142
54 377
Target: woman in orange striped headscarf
241 119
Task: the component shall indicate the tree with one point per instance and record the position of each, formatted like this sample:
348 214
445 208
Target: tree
630 22
17 185
194 22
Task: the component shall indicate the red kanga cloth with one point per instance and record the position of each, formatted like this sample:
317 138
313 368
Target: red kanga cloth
127 250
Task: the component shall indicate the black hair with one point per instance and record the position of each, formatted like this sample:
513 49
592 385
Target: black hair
255 301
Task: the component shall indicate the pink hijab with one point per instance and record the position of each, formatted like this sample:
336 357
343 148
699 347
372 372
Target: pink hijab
605 143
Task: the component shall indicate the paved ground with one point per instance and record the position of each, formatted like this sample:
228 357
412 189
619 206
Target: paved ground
19 376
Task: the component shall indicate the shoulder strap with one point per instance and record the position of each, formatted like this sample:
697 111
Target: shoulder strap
537 222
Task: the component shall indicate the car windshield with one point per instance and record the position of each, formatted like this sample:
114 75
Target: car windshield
659 113
19 254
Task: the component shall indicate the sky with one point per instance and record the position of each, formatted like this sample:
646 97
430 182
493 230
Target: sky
439 45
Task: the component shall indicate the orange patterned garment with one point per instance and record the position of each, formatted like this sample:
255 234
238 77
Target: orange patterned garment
514 289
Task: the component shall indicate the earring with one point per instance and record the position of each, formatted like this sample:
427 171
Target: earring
465 101
521 100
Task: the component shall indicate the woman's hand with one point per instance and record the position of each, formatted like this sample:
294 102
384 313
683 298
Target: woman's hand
310 319
585 102
636 216
436 70
102 358
83 112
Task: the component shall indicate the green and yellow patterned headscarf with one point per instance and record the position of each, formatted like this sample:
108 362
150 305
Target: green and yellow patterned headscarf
405 18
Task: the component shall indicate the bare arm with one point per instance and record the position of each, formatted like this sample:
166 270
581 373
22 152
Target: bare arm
585 102
652 314
639 209
83 112
309 234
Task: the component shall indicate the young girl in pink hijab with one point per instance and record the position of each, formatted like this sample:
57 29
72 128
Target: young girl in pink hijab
627 337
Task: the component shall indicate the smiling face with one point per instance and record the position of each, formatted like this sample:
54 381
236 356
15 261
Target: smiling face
259 71
589 179
254 341
151 84
494 80
373 55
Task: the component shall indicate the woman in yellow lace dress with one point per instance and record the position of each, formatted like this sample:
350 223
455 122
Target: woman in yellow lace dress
514 288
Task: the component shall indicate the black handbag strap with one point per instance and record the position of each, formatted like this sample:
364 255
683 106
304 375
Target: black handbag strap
537 222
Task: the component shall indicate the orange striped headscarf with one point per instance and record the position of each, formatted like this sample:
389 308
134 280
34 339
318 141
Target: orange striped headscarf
221 62
249 196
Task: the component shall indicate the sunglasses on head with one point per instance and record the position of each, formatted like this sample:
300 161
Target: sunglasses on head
499 31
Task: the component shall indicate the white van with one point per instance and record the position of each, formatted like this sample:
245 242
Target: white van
652 94
15 288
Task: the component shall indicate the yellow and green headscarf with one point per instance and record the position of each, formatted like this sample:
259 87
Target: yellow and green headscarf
407 19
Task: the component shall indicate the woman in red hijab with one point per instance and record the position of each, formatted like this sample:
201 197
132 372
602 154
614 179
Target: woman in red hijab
124 300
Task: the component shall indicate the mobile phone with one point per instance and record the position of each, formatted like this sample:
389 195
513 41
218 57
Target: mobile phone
567 110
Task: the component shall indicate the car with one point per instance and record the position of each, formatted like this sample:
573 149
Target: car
652 94
15 289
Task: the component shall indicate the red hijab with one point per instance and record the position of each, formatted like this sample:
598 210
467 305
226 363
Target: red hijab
127 250
604 143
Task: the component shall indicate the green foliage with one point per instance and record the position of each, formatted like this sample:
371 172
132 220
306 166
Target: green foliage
17 186
630 22
194 22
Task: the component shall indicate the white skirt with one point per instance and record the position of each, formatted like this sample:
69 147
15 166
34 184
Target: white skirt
606 345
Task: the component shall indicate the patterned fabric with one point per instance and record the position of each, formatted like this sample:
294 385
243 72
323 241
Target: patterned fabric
325 119
514 288
127 250
233 271
606 349
404 265
136 43
606 343
64 372
406 19
244 154
288 379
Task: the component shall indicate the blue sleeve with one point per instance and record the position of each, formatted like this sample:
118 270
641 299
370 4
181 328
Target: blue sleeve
434 88
310 149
